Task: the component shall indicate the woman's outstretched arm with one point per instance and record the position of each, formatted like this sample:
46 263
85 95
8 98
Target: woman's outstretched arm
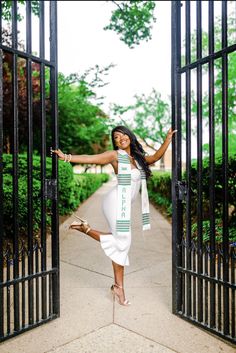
101 158
159 153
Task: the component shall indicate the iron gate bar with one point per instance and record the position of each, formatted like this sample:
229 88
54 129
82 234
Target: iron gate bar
55 217
199 169
188 151
43 162
29 159
233 265
207 278
212 162
176 157
15 168
1 194
43 283
225 166
206 59
0 22
211 280
11 282
26 55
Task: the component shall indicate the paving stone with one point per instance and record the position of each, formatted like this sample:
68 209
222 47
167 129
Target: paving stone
113 339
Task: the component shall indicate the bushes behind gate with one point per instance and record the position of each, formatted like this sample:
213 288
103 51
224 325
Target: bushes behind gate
73 189
159 190
159 186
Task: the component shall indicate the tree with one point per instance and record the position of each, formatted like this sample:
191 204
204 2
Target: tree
151 118
218 88
6 8
132 21
82 123
22 101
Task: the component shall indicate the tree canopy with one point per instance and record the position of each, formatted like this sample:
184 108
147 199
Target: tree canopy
150 119
231 89
132 21
83 126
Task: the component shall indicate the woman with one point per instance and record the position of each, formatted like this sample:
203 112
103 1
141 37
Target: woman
131 166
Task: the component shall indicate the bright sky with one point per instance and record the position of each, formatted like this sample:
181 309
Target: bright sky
82 43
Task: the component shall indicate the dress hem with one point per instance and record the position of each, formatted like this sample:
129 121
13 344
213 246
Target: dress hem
112 252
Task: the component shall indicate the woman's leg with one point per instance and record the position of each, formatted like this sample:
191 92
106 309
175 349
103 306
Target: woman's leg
119 280
118 269
95 234
118 274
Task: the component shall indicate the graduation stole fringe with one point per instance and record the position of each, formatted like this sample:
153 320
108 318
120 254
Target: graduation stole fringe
124 196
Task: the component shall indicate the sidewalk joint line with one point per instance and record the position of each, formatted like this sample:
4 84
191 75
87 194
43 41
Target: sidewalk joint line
78 338
84 268
140 269
148 338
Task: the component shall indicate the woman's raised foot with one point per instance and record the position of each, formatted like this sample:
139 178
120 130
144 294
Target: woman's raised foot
118 293
81 226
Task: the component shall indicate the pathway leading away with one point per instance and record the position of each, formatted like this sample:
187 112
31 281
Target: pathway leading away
91 322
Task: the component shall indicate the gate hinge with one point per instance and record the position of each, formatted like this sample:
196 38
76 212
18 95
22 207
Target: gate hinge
181 190
50 189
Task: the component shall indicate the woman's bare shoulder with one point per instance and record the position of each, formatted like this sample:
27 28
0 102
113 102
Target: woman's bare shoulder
112 154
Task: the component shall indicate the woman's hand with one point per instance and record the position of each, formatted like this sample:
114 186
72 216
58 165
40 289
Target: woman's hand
170 134
59 153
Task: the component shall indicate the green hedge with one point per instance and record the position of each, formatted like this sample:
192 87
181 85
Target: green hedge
159 191
219 197
159 186
231 171
73 189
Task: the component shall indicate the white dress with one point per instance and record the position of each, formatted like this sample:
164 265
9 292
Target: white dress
115 248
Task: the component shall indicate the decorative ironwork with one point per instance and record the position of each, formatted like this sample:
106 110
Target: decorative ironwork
29 280
204 286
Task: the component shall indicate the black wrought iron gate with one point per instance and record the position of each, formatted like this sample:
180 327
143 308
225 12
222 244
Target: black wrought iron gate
204 178
29 246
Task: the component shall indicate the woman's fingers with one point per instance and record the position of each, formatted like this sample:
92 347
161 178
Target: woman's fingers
172 132
57 152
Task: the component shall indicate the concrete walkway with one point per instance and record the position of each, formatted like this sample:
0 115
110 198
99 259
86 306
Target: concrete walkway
91 322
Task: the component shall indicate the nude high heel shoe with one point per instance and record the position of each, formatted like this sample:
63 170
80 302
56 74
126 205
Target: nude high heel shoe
116 296
81 226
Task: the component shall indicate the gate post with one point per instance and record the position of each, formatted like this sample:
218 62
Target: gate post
176 153
1 196
55 217
29 284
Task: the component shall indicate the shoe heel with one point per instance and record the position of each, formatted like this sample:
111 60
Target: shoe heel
113 295
81 219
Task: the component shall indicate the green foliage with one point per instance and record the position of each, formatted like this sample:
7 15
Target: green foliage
218 89
206 228
6 9
72 191
8 215
231 171
132 21
82 123
87 184
218 107
159 188
159 191
151 117
219 197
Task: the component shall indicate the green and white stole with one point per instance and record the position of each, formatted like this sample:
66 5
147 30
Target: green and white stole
124 196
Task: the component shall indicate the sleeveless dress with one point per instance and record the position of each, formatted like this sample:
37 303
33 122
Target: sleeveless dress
117 249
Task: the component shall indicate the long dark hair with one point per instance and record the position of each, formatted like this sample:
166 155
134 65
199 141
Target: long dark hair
136 148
